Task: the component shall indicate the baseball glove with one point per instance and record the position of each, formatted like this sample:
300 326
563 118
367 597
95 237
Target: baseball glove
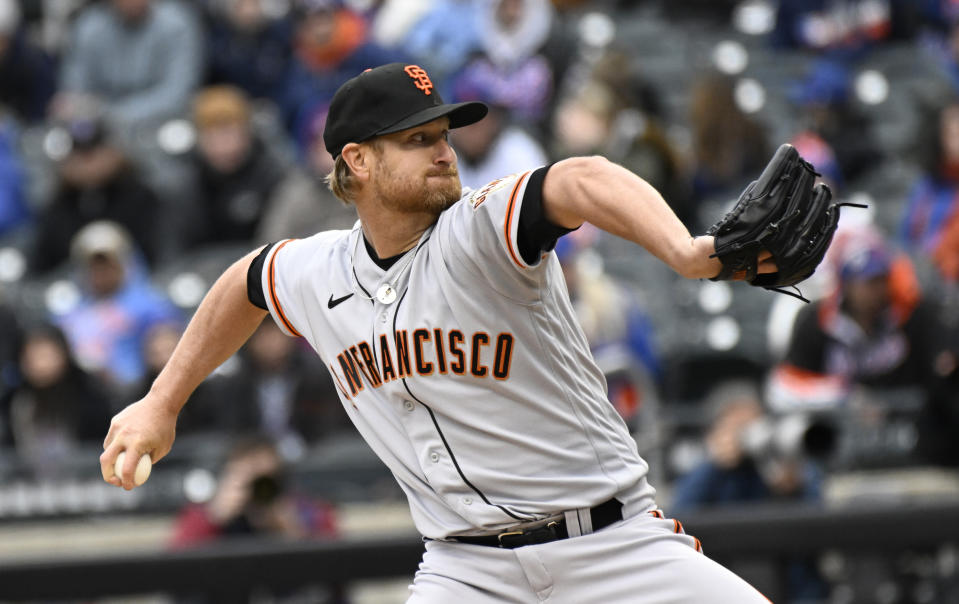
783 212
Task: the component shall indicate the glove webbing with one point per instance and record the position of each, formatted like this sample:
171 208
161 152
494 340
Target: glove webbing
798 292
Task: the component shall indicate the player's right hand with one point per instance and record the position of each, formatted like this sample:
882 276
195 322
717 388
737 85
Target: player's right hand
146 426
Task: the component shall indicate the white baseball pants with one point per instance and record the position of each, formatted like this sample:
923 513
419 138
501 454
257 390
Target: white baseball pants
645 559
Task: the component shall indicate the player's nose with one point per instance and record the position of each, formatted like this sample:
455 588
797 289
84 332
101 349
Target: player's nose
444 153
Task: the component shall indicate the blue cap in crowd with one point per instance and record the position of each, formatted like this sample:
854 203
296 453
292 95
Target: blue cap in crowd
865 263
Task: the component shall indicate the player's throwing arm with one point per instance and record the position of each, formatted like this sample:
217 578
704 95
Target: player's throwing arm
222 323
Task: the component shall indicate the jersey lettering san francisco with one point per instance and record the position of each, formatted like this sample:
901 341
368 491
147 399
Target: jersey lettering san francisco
446 382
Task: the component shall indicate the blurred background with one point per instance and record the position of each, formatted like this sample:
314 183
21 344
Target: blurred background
145 144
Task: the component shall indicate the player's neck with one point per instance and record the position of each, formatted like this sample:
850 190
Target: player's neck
392 233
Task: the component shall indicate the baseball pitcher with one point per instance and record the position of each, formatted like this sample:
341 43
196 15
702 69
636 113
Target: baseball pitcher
444 320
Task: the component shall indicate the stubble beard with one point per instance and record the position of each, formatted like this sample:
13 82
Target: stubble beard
409 194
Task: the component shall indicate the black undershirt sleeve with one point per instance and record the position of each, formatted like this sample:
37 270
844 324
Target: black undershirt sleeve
536 233
254 279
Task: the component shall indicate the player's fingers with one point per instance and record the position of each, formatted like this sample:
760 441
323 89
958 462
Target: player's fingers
767 264
128 469
107 460
109 437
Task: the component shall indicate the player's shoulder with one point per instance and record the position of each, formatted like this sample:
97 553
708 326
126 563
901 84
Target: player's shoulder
318 247
497 188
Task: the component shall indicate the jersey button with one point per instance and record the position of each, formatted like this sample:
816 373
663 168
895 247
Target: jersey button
434 456
409 405
383 317
467 501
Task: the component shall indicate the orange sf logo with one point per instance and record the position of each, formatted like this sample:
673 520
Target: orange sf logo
420 78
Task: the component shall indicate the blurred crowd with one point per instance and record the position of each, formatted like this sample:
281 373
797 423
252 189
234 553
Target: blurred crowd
145 143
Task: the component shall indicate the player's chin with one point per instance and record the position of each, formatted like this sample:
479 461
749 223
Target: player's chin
444 194
439 201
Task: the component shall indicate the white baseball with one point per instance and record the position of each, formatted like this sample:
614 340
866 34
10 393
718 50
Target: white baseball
142 472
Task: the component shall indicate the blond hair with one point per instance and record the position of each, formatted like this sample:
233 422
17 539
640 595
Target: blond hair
341 179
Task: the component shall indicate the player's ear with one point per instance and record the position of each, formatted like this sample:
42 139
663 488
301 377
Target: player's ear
358 158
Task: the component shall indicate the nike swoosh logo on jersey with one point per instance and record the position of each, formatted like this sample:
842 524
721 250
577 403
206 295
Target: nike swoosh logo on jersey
331 303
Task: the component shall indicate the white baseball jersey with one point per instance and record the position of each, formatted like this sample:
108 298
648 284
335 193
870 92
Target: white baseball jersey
475 385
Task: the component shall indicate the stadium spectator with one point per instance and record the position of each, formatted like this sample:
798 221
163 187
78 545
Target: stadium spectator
253 498
931 212
732 472
737 471
118 306
277 391
495 145
835 136
142 58
636 136
445 38
511 66
392 20
57 406
158 345
27 80
15 212
615 113
246 47
729 146
236 172
841 29
943 51
95 181
946 253
303 205
583 121
330 45
10 336
874 331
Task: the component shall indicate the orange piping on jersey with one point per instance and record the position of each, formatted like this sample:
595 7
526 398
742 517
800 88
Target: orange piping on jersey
677 526
272 286
509 219
699 545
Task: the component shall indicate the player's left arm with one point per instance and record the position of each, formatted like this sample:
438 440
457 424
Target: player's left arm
595 190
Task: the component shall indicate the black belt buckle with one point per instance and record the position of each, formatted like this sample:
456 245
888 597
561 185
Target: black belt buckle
543 534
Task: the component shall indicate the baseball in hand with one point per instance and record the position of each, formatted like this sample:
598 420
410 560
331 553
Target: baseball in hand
142 472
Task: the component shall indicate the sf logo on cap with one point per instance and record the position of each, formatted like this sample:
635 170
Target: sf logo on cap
420 78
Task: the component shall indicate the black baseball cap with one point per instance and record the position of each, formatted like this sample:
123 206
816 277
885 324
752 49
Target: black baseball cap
387 99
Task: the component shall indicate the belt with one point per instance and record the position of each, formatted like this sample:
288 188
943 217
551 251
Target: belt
602 516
